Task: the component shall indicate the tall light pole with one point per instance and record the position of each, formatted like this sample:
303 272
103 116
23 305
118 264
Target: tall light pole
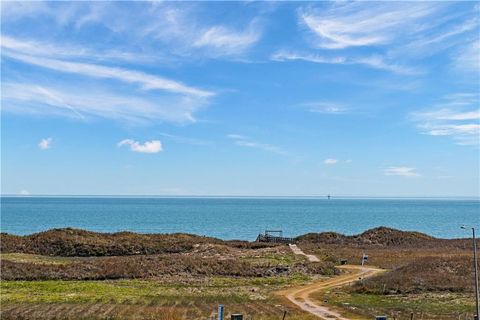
475 264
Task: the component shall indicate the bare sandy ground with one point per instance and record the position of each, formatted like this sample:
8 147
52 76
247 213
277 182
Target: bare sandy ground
297 250
300 296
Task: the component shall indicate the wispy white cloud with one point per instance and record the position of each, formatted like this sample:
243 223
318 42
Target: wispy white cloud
173 29
284 55
455 129
179 28
187 36
375 61
446 114
243 141
468 25
45 143
154 146
354 24
262 146
378 62
147 81
325 107
186 140
72 102
467 57
458 116
68 51
401 33
401 171
330 161
148 97
227 42
235 136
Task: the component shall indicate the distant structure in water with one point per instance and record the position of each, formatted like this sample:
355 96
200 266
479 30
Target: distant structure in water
328 197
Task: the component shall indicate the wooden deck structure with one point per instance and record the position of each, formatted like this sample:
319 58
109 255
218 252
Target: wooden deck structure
275 236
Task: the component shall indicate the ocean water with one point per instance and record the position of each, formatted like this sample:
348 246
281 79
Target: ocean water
237 218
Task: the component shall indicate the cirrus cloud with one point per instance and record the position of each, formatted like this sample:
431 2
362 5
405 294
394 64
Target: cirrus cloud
457 116
374 61
330 161
244 141
143 97
356 24
401 171
223 41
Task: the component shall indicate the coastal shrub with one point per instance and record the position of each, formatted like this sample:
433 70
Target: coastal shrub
80 243
381 236
151 266
72 242
447 273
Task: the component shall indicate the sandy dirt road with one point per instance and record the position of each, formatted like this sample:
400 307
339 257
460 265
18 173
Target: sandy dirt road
300 296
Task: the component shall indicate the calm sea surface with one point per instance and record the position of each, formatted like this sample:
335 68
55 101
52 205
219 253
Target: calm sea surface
237 218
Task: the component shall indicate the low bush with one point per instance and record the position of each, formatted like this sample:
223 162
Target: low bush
152 266
70 242
454 274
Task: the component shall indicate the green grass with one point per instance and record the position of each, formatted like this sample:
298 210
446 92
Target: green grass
121 291
146 299
431 305
275 259
275 282
211 290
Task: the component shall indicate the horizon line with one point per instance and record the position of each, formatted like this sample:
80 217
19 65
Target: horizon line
326 196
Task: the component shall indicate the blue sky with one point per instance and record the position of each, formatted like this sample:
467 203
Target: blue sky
240 98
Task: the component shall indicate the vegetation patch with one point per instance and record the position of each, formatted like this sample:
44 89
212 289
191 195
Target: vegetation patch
147 298
76 274
452 274
33 258
70 242
432 305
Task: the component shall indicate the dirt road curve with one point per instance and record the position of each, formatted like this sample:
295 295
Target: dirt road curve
300 296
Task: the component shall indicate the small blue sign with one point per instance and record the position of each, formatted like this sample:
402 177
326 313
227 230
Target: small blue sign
220 312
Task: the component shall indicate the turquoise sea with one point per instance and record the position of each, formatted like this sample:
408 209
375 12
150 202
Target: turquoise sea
237 218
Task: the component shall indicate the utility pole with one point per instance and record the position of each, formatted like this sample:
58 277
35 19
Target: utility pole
475 267
475 262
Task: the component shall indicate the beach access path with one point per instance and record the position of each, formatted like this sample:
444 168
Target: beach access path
300 296
299 251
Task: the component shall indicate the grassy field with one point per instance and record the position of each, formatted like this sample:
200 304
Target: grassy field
75 274
197 298
432 305
88 282
208 290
